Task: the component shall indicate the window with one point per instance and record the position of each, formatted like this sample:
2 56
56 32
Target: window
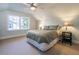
18 23
24 23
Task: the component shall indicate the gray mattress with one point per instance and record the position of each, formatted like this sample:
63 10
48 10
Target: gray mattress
42 36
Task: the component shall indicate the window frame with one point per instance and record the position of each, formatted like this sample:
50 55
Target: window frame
28 24
19 23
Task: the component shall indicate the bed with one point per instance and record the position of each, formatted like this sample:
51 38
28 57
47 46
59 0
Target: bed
43 39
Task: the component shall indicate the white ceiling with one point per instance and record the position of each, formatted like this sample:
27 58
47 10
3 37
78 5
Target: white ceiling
14 6
52 10
45 10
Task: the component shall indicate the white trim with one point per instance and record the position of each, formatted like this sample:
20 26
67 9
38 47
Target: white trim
12 36
75 41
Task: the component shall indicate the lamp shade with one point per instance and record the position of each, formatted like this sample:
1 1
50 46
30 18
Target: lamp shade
67 24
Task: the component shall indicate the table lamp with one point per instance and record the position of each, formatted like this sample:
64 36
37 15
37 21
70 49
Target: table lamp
67 24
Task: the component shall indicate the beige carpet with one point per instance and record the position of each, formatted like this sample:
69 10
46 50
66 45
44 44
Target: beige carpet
19 46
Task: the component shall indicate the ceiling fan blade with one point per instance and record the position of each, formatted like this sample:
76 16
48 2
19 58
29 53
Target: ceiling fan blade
27 4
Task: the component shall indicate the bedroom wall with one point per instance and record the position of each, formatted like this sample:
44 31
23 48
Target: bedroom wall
52 14
74 28
4 33
0 25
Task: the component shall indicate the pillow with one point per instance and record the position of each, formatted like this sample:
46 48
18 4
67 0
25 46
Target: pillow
46 27
51 27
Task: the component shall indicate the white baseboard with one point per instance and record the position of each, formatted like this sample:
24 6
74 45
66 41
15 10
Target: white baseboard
75 41
12 36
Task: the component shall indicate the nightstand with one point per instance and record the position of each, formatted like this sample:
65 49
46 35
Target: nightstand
67 37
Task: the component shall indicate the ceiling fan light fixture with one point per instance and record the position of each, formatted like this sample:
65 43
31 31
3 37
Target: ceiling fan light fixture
33 8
